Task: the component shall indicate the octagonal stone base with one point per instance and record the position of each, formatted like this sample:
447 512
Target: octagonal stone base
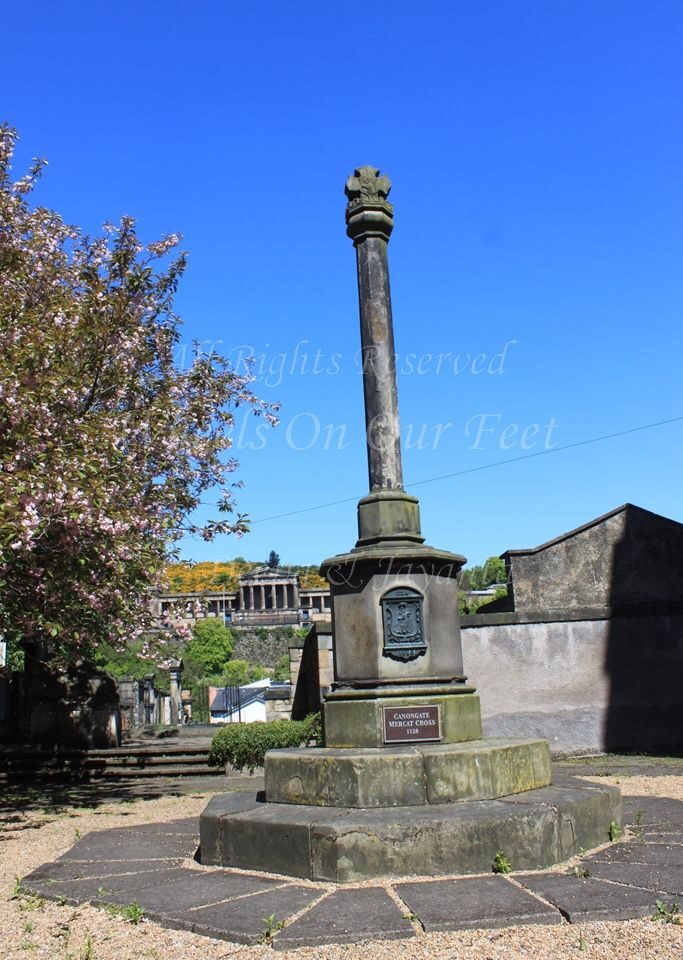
407 775
533 830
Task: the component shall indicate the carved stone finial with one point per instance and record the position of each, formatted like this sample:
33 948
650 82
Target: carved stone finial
366 186
368 212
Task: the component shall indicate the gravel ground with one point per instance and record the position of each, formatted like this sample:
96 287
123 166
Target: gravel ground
34 928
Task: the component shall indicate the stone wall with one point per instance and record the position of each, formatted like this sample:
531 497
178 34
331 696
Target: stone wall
586 684
311 670
624 557
264 645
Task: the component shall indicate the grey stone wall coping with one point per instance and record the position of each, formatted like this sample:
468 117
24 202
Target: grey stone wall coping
566 615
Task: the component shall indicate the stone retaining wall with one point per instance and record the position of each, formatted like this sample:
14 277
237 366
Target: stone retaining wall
264 645
587 681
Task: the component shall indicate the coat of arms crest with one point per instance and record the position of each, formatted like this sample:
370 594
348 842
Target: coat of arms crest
402 618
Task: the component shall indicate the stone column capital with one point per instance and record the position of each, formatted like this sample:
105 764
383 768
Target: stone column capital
368 213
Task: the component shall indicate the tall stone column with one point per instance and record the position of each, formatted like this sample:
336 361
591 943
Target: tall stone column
388 513
370 220
395 616
175 672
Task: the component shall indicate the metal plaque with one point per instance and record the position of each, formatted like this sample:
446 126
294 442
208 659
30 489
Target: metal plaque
412 724
402 619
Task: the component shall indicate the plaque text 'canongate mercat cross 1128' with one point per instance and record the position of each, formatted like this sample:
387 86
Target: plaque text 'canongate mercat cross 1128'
404 783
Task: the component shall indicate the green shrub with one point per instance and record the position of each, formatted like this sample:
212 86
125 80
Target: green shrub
245 744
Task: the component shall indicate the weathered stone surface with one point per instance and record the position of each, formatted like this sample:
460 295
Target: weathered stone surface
431 841
119 845
97 869
479 902
349 844
360 580
600 563
242 921
663 877
358 723
386 514
273 837
485 769
209 822
585 814
191 889
345 778
659 854
347 916
406 775
660 814
589 899
130 886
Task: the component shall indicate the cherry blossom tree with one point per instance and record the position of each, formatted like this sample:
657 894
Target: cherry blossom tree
106 444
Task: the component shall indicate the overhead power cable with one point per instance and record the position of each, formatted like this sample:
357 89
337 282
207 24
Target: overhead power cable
484 466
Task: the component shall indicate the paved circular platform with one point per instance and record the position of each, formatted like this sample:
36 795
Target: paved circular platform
152 865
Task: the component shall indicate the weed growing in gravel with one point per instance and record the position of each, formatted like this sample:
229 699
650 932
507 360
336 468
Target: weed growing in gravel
638 829
88 951
132 913
615 831
580 872
271 928
501 864
28 901
666 913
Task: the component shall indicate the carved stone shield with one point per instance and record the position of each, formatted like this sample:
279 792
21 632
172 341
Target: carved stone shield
402 618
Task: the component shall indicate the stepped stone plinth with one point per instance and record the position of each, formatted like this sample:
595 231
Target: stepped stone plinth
346 845
407 776
404 783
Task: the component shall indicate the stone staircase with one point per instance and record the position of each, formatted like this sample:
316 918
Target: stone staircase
134 760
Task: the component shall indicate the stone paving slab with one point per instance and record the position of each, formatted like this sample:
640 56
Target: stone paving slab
581 899
639 851
183 828
125 844
245 920
654 811
656 836
347 916
122 888
98 869
195 888
472 903
665 878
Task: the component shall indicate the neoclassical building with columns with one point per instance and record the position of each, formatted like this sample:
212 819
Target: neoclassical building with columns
265 597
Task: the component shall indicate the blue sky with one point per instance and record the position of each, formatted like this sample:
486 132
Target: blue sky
537 258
